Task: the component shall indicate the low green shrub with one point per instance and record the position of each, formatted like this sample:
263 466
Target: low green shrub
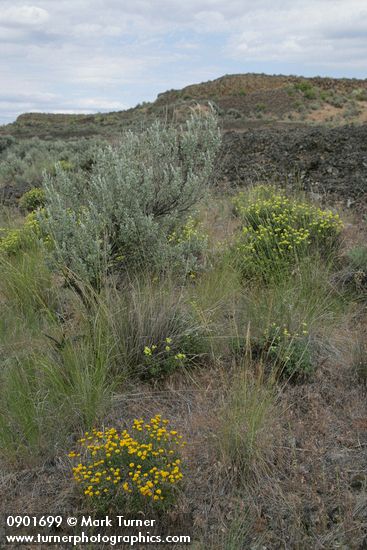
360 94
278 231
22 238
284 353
165 357
358 258
307 89
289 353
336 100
234 113
32 199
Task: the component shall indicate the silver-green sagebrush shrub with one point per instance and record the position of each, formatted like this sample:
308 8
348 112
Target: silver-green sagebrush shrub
124 212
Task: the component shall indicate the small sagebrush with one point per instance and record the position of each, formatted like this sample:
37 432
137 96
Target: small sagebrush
135 198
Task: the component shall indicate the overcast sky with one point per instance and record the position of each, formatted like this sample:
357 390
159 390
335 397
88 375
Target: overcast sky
101 55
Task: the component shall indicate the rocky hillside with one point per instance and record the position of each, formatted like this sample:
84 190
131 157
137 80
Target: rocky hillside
308 131
241 101
330 162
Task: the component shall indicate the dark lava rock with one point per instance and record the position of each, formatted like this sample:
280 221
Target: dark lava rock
327 161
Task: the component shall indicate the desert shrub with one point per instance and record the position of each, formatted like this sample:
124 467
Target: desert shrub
234 113
311 93
32 199
356 269
66 165
307 89
315 106
6 142
278 231
324 95
134 197
23 162
282 351
117 469
189 242
336 100
360 94
288 352
351 110
22 238
163 358
260 107
358 258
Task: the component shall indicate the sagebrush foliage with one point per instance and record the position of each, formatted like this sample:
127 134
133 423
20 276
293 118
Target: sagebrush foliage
23 161
135 197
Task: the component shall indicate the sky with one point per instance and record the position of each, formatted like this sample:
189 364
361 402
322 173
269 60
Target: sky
81 56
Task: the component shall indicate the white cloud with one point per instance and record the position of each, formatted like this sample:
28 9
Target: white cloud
28 16
94 29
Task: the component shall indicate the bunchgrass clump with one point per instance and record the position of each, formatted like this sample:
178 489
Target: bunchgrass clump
278 231
26 281
155 328
121 468
246 417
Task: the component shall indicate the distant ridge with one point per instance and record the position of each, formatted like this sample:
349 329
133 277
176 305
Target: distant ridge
241 101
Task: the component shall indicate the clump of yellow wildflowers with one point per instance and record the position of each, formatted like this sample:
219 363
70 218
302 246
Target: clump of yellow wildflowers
141 466
277 231
13 240
163 357
190 231
32 199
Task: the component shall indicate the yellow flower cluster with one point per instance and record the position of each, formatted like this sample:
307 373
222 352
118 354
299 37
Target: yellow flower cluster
276 227
145 464
188 232
32 199
278 332
154 348
12 240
